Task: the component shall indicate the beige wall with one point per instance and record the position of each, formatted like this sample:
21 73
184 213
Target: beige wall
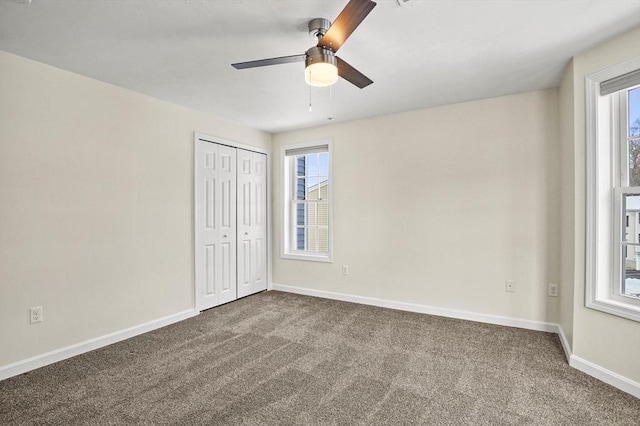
567 136
96 218
441 206
606 340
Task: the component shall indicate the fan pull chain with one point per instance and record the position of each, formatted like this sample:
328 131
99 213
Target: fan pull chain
310 107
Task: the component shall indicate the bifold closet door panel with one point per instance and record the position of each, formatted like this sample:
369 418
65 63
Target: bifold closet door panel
252 222
216 229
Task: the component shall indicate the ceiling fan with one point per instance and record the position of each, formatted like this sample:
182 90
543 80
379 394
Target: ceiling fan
322 66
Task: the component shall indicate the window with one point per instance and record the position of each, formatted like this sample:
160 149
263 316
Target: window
627 104
613 190
306 170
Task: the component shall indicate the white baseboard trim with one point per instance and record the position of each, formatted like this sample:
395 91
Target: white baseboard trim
620 382
607 376
38 361
422 309
565 344
629 386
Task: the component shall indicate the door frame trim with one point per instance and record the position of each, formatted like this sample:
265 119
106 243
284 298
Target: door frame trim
233 144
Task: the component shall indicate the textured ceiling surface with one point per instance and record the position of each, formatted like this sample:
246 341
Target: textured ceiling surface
422 54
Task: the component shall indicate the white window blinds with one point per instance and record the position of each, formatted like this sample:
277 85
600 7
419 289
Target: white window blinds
621 82
306 150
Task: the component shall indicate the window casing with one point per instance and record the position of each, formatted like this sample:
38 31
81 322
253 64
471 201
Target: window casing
613 197
307 211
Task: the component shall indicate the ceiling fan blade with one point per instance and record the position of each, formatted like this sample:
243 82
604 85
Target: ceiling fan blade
347 21
270 61
352 75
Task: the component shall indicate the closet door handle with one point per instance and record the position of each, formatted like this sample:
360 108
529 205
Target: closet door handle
224 236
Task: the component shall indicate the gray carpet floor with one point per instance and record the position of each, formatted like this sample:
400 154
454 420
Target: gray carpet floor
284 359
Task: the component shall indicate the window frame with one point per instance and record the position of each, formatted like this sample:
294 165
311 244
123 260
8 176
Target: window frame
604 192
288 248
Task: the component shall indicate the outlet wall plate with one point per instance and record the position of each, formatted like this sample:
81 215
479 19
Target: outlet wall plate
35 314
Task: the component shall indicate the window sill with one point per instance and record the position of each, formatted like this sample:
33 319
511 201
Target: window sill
614 307
307 257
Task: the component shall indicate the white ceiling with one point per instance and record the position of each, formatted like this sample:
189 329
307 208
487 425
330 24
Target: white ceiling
423 54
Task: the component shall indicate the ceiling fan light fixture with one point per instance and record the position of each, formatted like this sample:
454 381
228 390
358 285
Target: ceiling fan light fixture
321 68
321 74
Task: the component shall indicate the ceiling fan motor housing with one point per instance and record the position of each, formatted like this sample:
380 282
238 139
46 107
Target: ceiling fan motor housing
317 55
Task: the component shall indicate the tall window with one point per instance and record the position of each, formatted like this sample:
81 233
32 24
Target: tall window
307 191
613 190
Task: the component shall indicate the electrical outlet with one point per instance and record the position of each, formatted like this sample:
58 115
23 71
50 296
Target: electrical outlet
345 269
36 314
553 290
510 286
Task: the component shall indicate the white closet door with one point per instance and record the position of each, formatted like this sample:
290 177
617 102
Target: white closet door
215 225
252 222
